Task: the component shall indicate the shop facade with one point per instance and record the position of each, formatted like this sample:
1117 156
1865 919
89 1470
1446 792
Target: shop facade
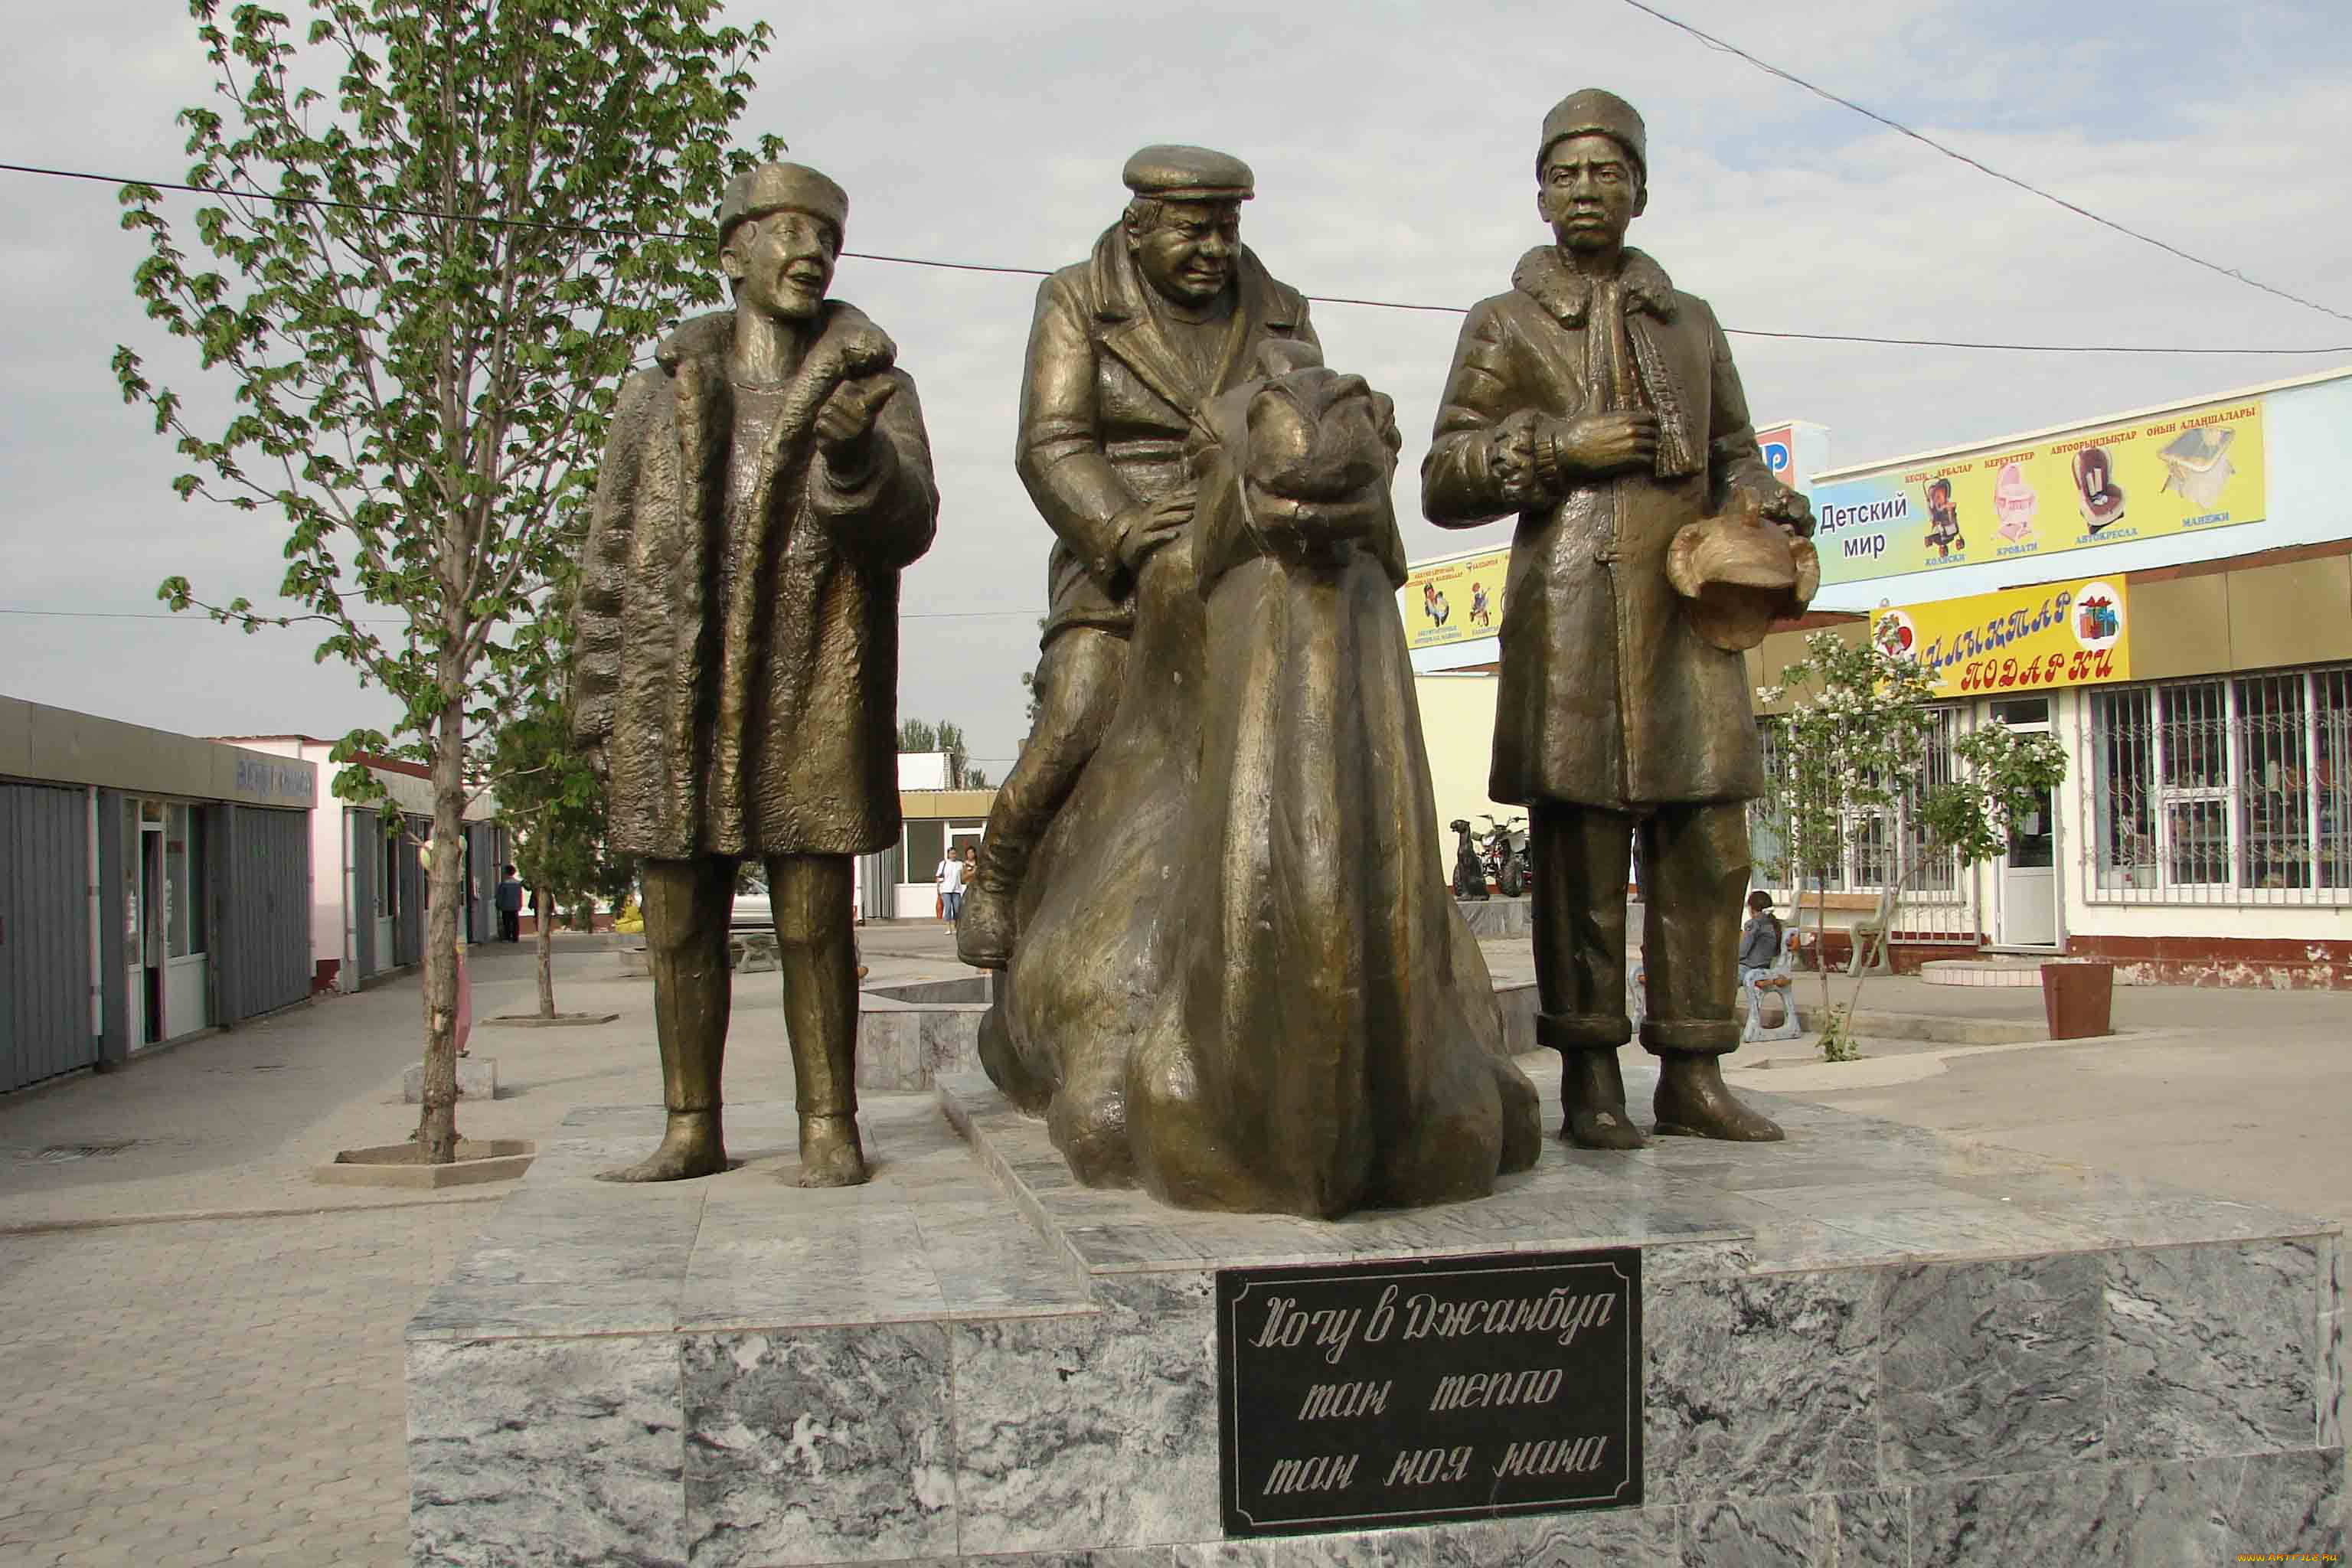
895 883
2168 593
153 887
367 919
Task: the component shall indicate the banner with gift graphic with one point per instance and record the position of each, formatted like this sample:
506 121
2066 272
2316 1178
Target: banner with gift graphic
1454 601
2180 473
2020 639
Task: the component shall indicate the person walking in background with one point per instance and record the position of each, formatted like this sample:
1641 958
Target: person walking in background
509 902
949 879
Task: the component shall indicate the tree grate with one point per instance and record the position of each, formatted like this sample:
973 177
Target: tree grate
57 1153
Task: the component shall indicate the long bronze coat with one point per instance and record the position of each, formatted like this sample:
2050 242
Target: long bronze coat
1607 696
1107 404
739 665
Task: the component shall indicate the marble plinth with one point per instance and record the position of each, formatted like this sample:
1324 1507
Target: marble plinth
1497 916
1869 1345
911 1035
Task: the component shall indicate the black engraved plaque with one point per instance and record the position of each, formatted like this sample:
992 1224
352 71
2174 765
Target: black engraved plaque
1351 1397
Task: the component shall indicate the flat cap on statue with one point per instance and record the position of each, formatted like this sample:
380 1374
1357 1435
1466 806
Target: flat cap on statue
782 187
1590 111
1177 173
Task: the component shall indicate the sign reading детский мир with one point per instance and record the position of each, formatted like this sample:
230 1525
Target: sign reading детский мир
1353 1397
2180 472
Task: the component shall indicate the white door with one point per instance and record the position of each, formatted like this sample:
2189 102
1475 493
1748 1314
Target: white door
387 899
2028 882
2026 901
147 994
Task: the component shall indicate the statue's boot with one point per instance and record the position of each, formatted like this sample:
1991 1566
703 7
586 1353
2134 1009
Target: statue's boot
816 949
1693 1101
1591 1087
692 989
984 932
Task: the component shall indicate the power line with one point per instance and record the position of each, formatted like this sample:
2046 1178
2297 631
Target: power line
938 264
2020 348
266 618
2080 211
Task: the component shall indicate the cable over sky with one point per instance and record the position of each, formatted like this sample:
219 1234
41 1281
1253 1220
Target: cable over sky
121 182
1769 69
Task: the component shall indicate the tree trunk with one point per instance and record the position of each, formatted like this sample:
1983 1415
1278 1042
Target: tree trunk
1822 939
546 938
436 1125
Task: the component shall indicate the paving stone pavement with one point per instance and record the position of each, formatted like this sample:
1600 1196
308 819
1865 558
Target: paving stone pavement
215 1391
182 1391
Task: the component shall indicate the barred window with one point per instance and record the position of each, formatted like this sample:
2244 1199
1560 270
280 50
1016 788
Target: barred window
1872 841
2223 791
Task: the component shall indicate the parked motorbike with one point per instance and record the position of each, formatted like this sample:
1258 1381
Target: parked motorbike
1504 853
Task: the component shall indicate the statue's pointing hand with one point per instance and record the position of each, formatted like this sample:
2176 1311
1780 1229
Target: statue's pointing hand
847 420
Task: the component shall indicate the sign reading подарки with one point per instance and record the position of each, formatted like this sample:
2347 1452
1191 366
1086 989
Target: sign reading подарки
1357 1395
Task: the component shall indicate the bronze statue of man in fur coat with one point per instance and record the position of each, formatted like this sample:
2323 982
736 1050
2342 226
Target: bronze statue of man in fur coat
764 484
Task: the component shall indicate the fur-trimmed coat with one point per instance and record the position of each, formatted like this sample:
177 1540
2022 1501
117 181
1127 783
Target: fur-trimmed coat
740 671
1607 696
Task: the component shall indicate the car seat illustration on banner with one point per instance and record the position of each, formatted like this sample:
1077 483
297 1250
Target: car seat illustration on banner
2100 499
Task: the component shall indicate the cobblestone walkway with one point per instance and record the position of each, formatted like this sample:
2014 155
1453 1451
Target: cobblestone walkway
222 1391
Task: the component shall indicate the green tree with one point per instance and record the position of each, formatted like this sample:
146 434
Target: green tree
1852 758
944 735
435 235
1029 688
551 801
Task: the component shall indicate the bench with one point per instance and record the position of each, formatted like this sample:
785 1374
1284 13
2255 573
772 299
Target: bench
1781 981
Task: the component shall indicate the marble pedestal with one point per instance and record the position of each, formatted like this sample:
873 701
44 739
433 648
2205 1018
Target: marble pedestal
1867 1346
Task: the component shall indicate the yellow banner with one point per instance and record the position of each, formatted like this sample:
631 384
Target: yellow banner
2186 472
1454 601
2020 639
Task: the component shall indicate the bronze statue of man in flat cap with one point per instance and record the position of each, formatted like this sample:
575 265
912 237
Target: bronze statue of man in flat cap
1599 404
764 484
1126 345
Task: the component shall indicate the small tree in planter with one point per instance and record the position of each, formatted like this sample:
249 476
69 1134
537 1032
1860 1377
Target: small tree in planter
1851 760
553 803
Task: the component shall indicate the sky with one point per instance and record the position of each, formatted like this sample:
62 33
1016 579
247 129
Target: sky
1393 146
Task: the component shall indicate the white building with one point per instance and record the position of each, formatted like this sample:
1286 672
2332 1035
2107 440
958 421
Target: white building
2168 591
367 904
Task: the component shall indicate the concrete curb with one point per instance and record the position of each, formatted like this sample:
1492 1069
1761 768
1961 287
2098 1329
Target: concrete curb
1786 1075
395 1165
192 1216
